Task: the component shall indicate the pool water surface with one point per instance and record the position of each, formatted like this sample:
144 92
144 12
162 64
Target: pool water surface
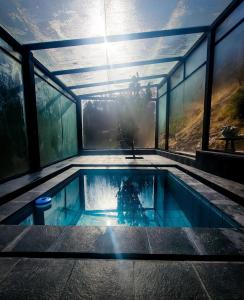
125 198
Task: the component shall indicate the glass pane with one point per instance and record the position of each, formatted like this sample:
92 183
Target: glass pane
186 114
84 78
115 53
31 21
147 49
91 90
13 150
196 58
177 76
72 57
113 87
46 20
68 111
228 90
162 90
111 117
230 22
57 130
44 77
162 122
49 122
5 46
116 74
126 16
145 70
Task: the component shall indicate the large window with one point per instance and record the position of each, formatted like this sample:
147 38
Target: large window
13 150
227 104
186 113
104 121
56 123
162 121
187 102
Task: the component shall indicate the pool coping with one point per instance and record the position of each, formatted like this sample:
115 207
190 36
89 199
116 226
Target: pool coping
122 242
15 187
137 242
223 203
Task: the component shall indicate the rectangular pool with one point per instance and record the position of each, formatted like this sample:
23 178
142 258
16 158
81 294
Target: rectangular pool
124 198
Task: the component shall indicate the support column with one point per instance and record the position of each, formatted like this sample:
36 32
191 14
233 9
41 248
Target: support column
208 89
167 115
157 121
79 125
31 110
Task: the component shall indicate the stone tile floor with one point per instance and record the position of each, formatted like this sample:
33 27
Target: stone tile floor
46 262
48 278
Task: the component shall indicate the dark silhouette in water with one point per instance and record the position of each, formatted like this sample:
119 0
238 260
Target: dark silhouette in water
130 210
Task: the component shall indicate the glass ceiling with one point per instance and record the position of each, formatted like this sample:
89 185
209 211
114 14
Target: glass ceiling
116 74
115 53
46 20
112 87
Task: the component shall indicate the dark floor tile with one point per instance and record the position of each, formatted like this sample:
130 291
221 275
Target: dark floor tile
8 233
36 279
126 240
10 208
38 239
6 265
100 279
102 240
222 280
170 241
211 241
79 239
166 280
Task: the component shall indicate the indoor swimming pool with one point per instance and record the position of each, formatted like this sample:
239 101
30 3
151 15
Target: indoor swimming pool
124 198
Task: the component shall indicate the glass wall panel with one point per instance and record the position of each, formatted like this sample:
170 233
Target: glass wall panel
227 105
13 150
196 58
105 120
68 112
162 121
230 22
56 124
162 90
177 76
186 114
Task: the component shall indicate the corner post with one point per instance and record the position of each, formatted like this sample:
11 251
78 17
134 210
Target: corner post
31 110
79 125
208 89
157 121
167 114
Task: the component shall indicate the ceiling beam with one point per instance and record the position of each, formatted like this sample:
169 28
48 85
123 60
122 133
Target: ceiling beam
88 85
105 98
85 96
47 73
116 66
115 38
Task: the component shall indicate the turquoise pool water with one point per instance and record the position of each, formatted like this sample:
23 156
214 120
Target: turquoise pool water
125 198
